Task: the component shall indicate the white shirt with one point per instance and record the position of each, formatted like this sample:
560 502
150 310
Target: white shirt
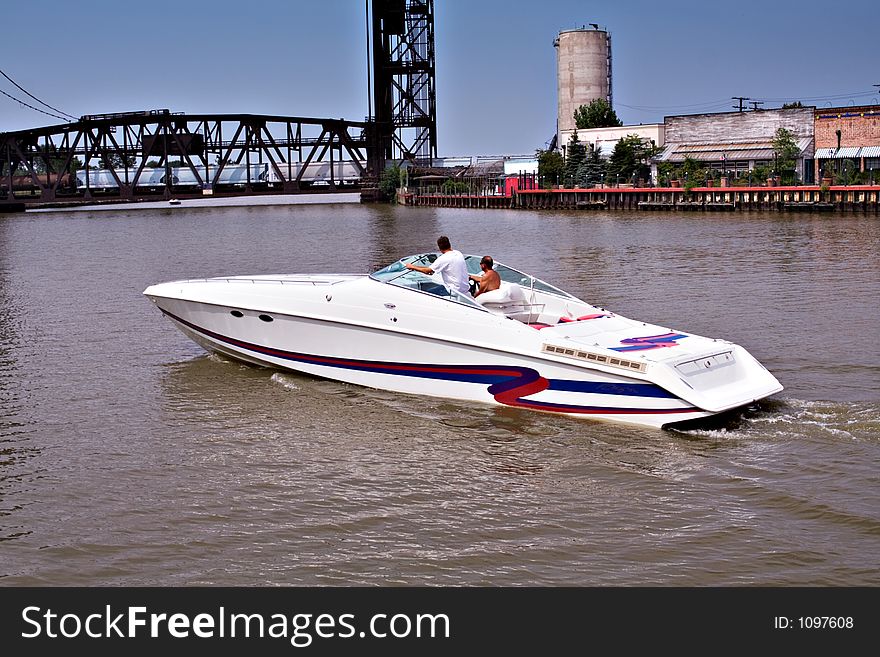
452 268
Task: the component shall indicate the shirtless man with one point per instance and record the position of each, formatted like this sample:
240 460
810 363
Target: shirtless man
489 280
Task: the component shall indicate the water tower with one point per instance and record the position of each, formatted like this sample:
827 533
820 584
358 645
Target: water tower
583 71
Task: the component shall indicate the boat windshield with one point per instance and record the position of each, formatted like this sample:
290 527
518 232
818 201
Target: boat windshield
397 274
512 275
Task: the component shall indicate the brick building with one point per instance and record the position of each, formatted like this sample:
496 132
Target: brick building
849 138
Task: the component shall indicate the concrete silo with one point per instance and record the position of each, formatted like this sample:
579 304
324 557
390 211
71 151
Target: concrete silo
583 71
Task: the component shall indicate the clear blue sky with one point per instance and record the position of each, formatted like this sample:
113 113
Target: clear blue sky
496 65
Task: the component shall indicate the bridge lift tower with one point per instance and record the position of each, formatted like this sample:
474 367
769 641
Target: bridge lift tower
402 34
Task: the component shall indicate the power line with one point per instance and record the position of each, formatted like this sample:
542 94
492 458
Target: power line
833 97
21 102
36 99
741 100
723 103
711 103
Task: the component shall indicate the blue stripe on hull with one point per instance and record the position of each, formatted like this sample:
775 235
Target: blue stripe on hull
607 388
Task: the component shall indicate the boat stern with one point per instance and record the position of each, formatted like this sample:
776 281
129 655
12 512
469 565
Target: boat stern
718 380
711 374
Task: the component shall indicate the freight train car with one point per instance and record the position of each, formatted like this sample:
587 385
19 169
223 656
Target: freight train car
317 174
26 183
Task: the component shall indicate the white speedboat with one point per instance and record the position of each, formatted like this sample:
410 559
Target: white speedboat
529 345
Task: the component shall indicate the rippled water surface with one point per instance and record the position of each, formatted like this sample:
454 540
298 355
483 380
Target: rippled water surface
128 456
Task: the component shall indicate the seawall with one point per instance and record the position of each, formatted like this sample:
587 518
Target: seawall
862 198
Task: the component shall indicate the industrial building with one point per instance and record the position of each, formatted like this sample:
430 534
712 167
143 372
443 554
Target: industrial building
737 142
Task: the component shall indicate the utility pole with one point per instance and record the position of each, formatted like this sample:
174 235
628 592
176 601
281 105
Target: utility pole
755 103
740 99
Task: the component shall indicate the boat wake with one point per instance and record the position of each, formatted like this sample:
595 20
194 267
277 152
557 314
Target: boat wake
285 380
794 418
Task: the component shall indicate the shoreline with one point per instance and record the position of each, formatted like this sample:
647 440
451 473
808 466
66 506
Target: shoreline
849 199
207 202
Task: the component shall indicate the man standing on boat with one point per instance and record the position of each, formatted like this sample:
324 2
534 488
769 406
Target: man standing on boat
449 264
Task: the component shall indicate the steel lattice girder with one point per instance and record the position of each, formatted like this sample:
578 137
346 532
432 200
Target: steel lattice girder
124 143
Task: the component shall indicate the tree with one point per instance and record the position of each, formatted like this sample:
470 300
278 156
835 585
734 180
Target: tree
51 160
592 171
116 161
575 156
598 114
829 169
786 151
666 173
452 186
849 172
761 172
796 104
389 181
550 167
629 159
693 173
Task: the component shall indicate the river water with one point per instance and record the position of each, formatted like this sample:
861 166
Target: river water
128 456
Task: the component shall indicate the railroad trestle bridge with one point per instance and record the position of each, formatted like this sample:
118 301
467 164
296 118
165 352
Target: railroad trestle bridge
157 153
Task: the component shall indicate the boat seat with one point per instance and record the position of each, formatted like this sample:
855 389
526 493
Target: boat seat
509 300
506 293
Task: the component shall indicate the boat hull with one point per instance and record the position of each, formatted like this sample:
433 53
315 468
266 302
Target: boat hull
392 359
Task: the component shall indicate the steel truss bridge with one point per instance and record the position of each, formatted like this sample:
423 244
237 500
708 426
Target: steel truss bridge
157 154
295 154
